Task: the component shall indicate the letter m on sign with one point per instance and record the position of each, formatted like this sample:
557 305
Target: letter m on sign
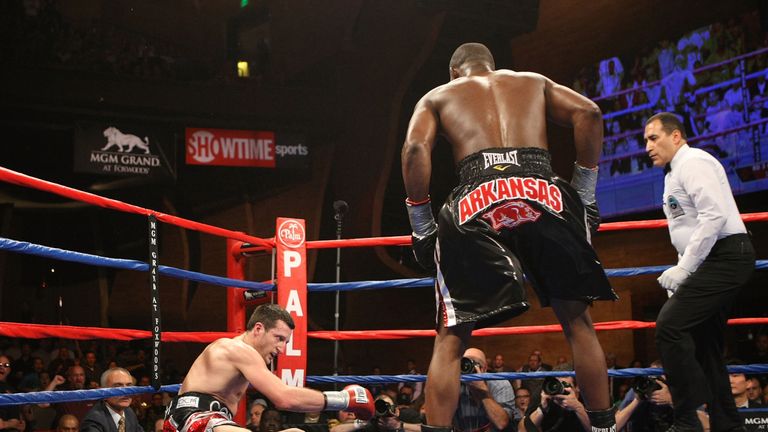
290 244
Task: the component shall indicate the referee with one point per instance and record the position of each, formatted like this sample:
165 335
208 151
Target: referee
715 259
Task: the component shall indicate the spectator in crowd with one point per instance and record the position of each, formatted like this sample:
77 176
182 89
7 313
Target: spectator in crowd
754 392
272 421
611 74
308 421
544 364
484 405
498 364
532 385
92 370
739 383
61 363
140 365
10 416
113 413
68 423
75 380
666 58
759 355
522 401
417 386
31 381
345 417
158 426
677 81
375 388
255 410
21 365
155 411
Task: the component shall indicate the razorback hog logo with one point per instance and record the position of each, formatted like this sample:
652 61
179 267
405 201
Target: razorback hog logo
511 214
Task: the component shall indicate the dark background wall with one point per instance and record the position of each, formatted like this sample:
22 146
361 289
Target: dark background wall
346 74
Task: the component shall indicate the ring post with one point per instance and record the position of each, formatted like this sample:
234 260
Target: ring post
291 248
236 306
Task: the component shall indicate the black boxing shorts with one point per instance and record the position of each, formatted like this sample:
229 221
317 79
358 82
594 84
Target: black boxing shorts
509 216
196 412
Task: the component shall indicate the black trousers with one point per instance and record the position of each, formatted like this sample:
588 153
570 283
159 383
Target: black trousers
690 331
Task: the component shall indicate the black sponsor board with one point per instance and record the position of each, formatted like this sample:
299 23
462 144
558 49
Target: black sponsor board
124 149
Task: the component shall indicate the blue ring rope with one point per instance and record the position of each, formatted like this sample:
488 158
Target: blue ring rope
125 264
78 395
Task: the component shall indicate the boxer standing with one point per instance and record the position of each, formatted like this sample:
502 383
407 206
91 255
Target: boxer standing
715 259
221 374
509 214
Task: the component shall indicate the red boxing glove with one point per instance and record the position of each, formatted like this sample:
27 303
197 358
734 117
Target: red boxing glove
353 398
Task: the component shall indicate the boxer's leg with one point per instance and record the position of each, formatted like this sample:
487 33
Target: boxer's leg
442 388
588 360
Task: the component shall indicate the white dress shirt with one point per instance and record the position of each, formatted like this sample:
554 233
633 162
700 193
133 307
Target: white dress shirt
115 415
699 205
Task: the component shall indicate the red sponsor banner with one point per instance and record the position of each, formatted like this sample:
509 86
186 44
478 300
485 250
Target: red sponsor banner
226 147
290 242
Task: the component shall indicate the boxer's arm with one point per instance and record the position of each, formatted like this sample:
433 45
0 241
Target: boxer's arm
285 397
416 155
568 108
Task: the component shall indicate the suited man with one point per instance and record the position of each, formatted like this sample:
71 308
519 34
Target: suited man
112 414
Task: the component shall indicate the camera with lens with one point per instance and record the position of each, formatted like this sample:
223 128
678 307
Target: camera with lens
645 386
553 386
468 366
383 408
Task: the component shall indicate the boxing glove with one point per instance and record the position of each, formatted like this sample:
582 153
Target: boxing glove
424 234
424 250
353 398
584 181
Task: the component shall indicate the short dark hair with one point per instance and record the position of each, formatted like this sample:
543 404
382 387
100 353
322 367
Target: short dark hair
269 314
669 122
472 53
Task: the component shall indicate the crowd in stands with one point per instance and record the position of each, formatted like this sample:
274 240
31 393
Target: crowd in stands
696 77
34 33
56 365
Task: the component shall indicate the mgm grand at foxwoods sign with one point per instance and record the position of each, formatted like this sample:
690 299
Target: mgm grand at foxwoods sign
124 150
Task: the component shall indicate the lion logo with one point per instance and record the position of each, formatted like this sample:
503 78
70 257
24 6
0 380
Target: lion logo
115 138
511 214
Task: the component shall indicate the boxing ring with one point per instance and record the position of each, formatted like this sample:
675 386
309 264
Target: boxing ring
289 248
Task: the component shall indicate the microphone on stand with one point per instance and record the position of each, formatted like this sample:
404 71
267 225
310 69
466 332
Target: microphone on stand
339 209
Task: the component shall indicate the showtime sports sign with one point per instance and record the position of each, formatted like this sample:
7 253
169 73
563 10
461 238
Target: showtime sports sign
245 148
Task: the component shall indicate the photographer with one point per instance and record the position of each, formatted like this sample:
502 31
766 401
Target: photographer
559 408
386 419
651 405
483 405
648 405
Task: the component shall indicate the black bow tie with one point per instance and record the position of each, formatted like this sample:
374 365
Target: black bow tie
667 168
